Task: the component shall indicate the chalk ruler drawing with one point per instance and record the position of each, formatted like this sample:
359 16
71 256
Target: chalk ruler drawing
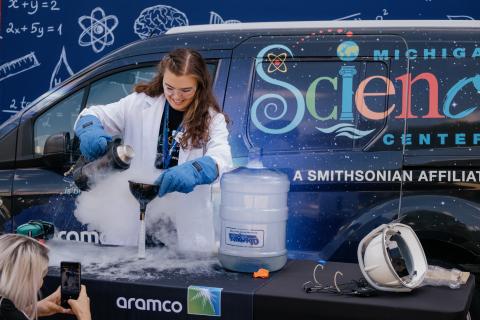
61 71
156 20
17 66
97 30
215 18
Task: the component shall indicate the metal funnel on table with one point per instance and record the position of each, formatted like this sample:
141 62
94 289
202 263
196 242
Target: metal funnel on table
144 193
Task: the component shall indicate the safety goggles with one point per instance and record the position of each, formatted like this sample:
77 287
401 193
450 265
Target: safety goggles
183 93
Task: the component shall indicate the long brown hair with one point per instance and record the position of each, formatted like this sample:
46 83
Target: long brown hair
186 61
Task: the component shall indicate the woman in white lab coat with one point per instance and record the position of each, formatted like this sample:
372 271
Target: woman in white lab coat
173 123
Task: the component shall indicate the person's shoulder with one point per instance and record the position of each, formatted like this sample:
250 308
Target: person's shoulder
215 115
6 304
212 112
136 95
142 96
8 311
136 98
217 119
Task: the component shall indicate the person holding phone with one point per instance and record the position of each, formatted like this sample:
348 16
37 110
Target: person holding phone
23 265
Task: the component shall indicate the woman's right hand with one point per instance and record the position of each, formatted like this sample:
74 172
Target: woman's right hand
93 138
81 306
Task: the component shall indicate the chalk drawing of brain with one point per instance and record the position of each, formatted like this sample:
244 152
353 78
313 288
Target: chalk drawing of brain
156 20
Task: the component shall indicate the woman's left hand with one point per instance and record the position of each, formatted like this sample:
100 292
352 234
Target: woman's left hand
51 305
185 176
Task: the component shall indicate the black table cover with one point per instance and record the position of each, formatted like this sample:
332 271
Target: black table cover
279 297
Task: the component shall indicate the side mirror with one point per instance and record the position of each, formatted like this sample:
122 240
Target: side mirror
57 150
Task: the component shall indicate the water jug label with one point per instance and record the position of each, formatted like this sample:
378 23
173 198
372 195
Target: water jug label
244 237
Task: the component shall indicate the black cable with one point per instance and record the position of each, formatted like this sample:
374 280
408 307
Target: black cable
357 288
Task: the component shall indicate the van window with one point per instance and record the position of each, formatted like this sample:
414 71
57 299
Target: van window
118 85
321 89
212 68
62 116
59 118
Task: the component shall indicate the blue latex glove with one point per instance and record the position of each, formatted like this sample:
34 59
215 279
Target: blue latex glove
184 177
93 138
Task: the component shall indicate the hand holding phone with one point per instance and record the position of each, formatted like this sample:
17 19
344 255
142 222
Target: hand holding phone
81 306
70 281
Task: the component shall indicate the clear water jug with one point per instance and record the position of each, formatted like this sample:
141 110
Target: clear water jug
253 214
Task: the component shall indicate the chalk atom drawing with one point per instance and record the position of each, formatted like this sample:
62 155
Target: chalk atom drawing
97 30
215 18
156 20
18 65
61 71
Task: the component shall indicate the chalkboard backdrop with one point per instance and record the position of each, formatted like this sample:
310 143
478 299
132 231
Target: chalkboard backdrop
43 42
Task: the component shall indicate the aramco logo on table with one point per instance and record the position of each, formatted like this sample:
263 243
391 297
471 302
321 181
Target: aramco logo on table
149 304
204 301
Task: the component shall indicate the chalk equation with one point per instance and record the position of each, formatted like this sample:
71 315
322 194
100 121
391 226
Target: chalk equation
19 65
36 29
17 105
33 6
358 16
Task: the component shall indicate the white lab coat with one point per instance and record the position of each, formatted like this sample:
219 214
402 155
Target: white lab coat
137 118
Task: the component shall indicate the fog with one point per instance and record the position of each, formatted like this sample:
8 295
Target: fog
180 229
122 262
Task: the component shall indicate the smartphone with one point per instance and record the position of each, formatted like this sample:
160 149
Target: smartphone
70 281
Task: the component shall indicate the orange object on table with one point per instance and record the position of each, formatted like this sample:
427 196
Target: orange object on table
261 273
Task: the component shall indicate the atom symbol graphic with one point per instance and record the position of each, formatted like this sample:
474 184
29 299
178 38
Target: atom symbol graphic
277 62
97 30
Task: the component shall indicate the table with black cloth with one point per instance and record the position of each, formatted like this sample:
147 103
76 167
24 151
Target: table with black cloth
279 297
284 297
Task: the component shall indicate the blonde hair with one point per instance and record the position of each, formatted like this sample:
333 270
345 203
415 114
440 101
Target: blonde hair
22 263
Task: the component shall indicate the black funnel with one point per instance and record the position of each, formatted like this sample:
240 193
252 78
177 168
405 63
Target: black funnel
144 193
